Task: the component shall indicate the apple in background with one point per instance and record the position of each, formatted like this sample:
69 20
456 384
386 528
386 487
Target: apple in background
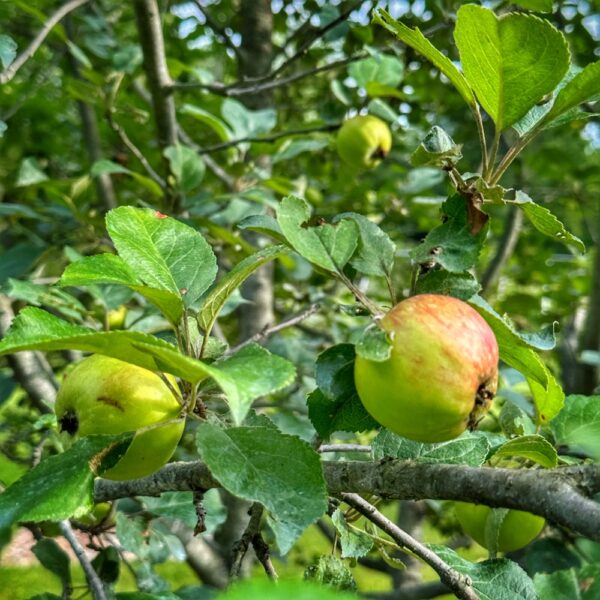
517 529
103 395
362 142
442 373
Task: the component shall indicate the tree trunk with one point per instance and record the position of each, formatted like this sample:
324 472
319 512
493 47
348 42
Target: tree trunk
255 55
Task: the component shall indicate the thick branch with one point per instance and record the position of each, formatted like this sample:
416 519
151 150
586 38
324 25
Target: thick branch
30 369
458 583
559 495
155 65
38 40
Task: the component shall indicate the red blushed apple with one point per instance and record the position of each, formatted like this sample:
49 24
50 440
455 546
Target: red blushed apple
442 373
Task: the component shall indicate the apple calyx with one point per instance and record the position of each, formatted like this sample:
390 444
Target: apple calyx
69 422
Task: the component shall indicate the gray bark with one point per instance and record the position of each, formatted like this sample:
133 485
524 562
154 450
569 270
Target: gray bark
255 58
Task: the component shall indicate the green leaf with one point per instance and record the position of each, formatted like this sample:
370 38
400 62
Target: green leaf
416 40
436 150
544 221
439 281
355 544
294 147
107 564
108 167
335 405
451 244
559 585
248 374
511 62
548 399
111 269
59 487
578 425
265 224
30 173
245 122
532 447
500 579
165 253
328 246
53 558
8 50
382 69
261 464
469 449
581 88
535 5
251 373
186 165
216 124
375 251
515 350
217 296
374 344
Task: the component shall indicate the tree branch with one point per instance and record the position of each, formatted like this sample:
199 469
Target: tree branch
459 584
91 576
91 135
270 138
561 495
241 89
155 65
506 247
38 40
30 369
265 333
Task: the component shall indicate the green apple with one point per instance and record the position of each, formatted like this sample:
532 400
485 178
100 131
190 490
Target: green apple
116 318
517 529
103 395
441 375
362 142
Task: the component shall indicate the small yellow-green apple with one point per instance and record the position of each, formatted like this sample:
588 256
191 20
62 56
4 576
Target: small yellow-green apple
115 318
103 395
363 141
441 375
101 515
517 529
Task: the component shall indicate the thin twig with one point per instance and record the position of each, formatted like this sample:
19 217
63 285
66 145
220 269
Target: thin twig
459 584
506 247
263 554
37 41
126 140
265 333
93 580
268 139
237 89
241 547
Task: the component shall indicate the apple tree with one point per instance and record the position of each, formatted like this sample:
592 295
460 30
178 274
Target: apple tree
337 267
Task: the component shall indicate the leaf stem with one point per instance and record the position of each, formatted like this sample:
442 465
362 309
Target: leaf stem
482 140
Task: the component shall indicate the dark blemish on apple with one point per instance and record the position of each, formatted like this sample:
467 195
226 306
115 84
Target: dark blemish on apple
111 402
69 422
